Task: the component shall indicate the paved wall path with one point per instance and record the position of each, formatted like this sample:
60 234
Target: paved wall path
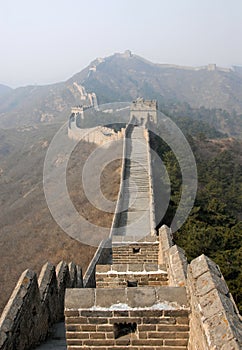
57 340
135 216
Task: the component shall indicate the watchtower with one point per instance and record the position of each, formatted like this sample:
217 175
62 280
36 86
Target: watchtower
143 111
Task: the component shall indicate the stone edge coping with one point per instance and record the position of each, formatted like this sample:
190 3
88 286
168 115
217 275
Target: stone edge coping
134 239
145 268
142 297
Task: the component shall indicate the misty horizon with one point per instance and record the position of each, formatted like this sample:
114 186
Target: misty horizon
49 82
48 42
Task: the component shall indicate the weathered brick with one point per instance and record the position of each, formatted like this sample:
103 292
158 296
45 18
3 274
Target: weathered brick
76 320
109 335
182 320
104 328
94 313
77 335
137 320
78 342
161 320
97 320
176 313
146 313
88 328
172 328
168 335
72 328
146 327
143 342
142 335
124 341
155 335
175 342
97 335
71 313
99 342
121 313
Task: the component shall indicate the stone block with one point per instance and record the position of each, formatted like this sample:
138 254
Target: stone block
103 268
108 297
146 313
214 302
172 294
135 267
96 313
203 264
119 267
77 335
207 282
97 320
79 298
146 327
218 329
141 296
151 267
88 328
176 342
162 320
176 313
121 313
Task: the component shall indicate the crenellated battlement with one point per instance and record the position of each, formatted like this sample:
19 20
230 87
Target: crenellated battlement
36 304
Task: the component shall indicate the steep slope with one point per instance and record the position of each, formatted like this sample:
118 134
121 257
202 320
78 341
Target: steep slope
37 104
29 236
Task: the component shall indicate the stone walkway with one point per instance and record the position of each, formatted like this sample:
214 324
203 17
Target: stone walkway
136 192
57 340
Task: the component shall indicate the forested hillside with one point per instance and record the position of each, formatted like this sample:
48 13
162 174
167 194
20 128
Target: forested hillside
214 225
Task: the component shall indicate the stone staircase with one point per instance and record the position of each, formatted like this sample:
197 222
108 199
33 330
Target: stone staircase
133 306
135 216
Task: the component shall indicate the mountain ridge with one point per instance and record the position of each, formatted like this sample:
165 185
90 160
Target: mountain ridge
124 77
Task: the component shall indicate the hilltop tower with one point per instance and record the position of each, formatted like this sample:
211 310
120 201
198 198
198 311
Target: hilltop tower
143 111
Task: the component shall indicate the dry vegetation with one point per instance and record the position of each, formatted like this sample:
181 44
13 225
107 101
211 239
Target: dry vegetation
29 236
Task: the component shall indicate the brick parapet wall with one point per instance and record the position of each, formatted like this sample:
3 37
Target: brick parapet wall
165 243
116 216
123 275
151 185
136 252
176 266
155 318
102 256
215 321
35 305
98 135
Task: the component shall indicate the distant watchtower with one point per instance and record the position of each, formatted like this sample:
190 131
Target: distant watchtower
143 111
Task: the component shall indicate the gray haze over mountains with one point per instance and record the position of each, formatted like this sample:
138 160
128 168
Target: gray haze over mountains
123 77
206 101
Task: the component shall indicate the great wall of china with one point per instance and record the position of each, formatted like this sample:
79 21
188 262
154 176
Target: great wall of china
138 292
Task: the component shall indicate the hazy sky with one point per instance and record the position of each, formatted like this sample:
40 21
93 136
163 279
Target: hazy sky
45 41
